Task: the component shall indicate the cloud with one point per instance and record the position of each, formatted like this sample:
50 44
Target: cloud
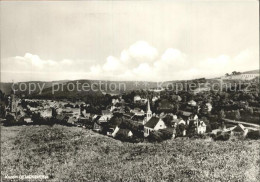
140 61
35 60
111 64
138 52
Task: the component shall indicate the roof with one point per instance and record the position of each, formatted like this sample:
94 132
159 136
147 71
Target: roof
61 117
239 127
176 120
106 112
186 113
137 118
97 118
129 115
152 122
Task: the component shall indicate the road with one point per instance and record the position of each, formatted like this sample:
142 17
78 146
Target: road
241 122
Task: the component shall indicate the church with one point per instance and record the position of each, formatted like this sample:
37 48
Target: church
152 123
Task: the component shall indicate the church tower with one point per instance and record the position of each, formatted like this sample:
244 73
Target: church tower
149 112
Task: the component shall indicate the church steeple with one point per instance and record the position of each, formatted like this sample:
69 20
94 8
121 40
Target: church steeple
148 106
149 112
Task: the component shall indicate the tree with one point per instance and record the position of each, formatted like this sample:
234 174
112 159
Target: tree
237 115
250 110
10 120
221 114
179 129
227 74
167 120
2 110
54 112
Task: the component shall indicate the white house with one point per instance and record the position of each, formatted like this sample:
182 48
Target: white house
192 103
46 113
153 124
107 114
201 127
137 98
137 111
114 101
104 118
209 106
28 120
154 99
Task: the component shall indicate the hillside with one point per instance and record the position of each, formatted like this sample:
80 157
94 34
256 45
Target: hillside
251 72
76 154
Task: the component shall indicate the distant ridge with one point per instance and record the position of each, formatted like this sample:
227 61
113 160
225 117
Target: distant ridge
251 72
130 85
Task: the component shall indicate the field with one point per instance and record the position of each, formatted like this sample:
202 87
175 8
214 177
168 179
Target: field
76 154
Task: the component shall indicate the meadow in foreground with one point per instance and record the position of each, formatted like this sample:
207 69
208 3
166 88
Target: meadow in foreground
76 154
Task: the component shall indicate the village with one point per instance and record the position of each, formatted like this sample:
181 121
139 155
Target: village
133 117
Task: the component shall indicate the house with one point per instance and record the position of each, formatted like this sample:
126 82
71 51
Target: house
153 124
112 131
97 126
176 98
186 115
62 118
137 98
86 115
107 113
137 118
104 118
192 103
176 122
114 101
46 113
240 129
119 110
209 107
137 111
129 115
197 126
72 120
28 120
155 99
201 127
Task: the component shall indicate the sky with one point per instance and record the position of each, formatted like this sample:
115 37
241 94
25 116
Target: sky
127 40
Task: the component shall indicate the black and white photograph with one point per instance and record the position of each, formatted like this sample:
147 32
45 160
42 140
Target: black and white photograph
149 90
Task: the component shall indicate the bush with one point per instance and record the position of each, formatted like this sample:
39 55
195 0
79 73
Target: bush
224 136
253 135
166 133
155 136
11 121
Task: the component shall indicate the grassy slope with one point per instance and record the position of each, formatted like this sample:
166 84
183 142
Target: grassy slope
70 153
